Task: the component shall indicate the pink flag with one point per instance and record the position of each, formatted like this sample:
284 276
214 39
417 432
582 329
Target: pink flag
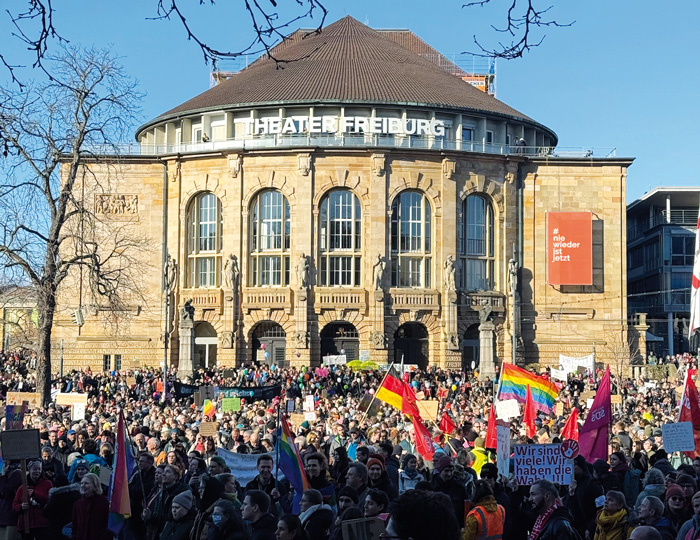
695 289
690 412
593 436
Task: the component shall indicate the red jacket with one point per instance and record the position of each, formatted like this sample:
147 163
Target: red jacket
38 500
90 517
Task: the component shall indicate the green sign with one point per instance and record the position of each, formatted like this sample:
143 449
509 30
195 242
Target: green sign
231 404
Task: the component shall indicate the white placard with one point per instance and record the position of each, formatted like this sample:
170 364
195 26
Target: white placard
243 466
364 355
537 461
335 360
678 437
507 409
570 364
559 374
503 449
310 416
589 403
78 411
309 403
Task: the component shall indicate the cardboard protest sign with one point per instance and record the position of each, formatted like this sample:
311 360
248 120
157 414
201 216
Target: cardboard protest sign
428 409
71 399
363 529
615 399
678 437
17 398
208 429
537 461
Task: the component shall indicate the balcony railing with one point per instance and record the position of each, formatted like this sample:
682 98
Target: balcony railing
677 217
414 300
347 141
267 298
332 298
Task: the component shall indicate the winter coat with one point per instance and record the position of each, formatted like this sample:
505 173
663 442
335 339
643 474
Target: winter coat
455 491
407 482
385 484
485 521
90 516
612 526
264 528
656 490
318 522
9 484
179 530
59 509
559 526
582 505
39 498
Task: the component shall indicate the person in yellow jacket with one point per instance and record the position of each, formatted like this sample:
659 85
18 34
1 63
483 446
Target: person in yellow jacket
485 520
480 455
612 522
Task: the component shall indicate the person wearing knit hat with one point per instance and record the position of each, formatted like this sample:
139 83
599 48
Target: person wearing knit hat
676 510
217 465
444 482
378 479
347 498
183 515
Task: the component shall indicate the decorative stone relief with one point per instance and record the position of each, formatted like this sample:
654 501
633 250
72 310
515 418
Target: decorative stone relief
452 341
449 168
117 205
301 340
378 164
235 164
227 340
304 164
377 340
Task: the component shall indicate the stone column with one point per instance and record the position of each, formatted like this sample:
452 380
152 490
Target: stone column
487 365
186 335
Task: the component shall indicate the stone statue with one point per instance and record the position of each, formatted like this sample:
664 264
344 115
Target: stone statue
231 272
485 311
379 268
513 275
303 272
449 274
187 311
170 273
377 340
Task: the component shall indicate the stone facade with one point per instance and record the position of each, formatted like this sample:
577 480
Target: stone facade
371 315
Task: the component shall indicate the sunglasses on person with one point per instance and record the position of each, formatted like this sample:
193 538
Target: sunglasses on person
675 498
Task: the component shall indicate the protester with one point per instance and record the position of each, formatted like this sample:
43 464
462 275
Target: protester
256 510
289 527
612 522
36 496
316 517
486 519
91 511
553 519
227 524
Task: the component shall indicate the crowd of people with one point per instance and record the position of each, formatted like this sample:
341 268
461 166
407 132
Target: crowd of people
359 455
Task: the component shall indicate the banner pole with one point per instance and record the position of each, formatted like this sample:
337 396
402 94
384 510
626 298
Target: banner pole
375 393
277 446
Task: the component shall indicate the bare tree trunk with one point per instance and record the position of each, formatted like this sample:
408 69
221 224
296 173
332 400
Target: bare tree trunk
47 309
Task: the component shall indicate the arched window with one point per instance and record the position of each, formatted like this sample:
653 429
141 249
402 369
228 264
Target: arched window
269 240
477 244
204 226
340 240
410 240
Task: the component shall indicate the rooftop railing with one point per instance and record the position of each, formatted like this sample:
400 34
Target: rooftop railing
676 217
262 142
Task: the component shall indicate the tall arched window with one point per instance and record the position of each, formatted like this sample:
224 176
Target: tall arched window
204 226
340 240
477 244
410 240
269 240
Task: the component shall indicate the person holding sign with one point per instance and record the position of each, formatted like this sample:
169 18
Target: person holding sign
29 504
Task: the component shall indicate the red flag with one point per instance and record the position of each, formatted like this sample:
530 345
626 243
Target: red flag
529 414
694 324
593 436
491 439
408 401
442 393
424 443
570 430
446 423
690 412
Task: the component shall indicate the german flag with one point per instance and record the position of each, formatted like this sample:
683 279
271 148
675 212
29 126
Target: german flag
391 391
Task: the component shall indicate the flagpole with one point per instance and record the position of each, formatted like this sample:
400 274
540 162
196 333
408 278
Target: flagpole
375 393
277 446
138 469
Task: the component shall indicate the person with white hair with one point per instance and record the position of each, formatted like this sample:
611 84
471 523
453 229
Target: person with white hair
91 511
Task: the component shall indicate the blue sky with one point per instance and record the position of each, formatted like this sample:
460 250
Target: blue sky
625 75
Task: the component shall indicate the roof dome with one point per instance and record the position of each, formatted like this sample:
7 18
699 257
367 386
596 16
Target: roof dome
347 62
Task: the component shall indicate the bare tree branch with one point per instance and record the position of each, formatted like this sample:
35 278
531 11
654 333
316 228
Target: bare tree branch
523 17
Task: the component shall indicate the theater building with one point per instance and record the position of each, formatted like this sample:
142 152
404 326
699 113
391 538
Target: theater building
364 202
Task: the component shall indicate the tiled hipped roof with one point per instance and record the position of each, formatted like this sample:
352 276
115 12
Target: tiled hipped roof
347 62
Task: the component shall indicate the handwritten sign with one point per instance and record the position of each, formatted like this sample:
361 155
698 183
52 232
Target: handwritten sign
17 398
428 409
503 448
507 409
537 461
616 399
208 429
559 374
243 466
678 437
231 404
71 399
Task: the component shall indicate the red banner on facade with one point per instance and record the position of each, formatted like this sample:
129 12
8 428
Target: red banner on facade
570 248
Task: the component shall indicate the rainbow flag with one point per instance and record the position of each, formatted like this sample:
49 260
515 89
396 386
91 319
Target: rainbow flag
289 461
513 385
209 409
119 502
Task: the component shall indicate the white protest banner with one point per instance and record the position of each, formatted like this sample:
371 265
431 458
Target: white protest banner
537 461
571 363
503 448
243 466
78 412
559 374
335 360
678 437
507 409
